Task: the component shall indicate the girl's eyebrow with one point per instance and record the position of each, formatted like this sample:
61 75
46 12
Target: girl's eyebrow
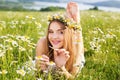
57 30
60 29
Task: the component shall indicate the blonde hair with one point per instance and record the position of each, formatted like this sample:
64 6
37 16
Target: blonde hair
68 45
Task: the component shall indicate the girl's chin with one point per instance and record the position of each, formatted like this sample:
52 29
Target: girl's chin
56 47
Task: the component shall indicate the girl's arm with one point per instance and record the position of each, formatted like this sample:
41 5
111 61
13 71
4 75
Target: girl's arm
41 58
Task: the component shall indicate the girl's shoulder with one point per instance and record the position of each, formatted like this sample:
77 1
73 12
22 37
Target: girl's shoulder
40 47
41 40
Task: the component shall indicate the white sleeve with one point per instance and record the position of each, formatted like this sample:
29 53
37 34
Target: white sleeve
82 61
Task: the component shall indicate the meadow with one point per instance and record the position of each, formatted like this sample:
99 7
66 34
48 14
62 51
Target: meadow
20 31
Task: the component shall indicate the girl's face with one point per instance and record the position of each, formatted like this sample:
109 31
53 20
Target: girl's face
56 34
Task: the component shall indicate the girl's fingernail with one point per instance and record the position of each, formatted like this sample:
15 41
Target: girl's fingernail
56 49
66 52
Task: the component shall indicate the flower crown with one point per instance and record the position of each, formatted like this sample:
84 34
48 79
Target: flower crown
66 21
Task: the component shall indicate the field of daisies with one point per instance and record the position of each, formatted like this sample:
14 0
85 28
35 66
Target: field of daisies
20 31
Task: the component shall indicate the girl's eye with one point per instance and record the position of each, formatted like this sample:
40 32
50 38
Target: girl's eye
50 31
61 32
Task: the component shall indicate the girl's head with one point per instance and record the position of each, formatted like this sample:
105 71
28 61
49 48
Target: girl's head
56 34
59 35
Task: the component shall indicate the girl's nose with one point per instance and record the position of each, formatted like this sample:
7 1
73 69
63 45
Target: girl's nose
55 35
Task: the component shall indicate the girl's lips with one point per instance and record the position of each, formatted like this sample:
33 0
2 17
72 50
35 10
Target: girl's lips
55 42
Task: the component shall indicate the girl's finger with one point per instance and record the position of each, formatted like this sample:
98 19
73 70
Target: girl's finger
44 60
56 52
67 56
67 52
46 57
62 51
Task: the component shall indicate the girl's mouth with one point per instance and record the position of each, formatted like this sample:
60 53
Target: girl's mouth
55 42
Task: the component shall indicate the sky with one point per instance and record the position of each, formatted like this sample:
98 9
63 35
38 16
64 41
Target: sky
91 1
39 5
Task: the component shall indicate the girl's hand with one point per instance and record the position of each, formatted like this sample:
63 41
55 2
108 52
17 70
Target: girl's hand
72 11
42 62
61 56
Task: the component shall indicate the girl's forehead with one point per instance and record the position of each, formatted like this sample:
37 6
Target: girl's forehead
56 25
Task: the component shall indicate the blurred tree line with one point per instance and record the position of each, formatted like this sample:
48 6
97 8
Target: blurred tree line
18 6
52 8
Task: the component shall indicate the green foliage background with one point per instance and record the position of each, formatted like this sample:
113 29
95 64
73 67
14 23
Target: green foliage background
20 31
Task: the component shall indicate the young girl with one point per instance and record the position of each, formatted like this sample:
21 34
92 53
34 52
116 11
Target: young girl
63 43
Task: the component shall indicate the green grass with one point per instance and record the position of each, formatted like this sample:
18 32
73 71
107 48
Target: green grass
20 31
